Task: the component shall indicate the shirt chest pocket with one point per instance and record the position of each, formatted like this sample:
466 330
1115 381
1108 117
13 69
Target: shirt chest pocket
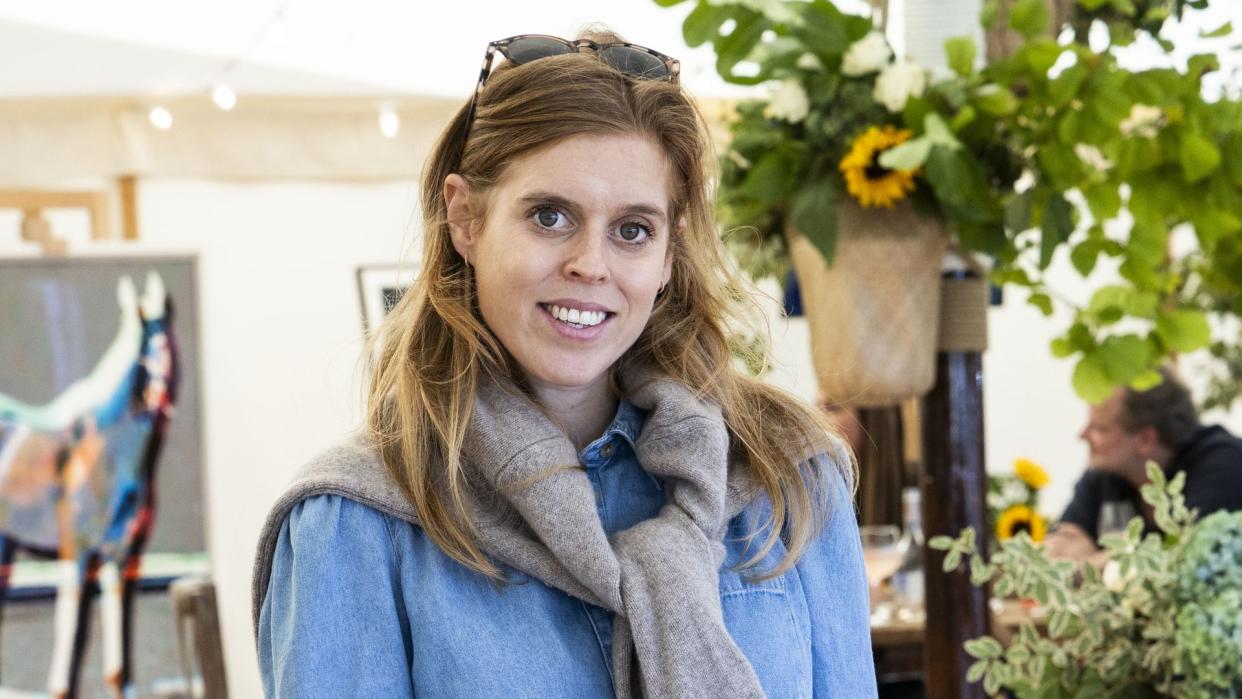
767 617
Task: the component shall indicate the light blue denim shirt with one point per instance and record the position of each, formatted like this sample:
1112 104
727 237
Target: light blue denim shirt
363 604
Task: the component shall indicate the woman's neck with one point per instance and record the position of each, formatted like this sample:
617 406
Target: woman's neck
584 412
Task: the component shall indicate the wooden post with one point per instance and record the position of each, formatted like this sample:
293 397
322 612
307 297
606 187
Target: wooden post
955 485
129 207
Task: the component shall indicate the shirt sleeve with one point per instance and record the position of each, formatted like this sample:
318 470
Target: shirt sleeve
333 622
835 584
1216 482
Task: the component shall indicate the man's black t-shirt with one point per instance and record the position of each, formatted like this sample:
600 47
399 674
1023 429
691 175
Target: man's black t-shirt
1212 461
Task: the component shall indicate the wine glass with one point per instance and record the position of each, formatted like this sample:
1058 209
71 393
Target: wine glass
880 554
881 559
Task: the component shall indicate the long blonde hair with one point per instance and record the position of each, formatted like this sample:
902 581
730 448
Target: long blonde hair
433 344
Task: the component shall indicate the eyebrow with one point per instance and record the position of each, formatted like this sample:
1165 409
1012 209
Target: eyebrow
558 200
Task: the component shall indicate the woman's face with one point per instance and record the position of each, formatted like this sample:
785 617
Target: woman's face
573 251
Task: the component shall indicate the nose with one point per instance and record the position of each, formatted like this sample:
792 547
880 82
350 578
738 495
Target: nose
587 256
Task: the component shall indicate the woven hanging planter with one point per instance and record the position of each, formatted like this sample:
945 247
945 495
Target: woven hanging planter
873 314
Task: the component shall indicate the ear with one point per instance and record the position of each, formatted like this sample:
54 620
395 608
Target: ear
1147 440
460 216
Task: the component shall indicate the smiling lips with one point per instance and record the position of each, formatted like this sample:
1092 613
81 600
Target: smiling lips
574 317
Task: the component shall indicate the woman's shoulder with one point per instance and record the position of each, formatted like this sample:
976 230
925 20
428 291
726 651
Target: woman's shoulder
347 479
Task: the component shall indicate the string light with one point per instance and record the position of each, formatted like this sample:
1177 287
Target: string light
273 29
389 122
224 97
160 118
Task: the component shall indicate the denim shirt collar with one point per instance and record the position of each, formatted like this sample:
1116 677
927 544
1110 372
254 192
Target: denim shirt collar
626 425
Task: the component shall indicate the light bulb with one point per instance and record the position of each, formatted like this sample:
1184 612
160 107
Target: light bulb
389 122
160 118
224 97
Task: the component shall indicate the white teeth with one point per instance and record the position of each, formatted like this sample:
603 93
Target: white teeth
577 317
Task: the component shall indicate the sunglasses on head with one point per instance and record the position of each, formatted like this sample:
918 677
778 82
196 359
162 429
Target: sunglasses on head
630 59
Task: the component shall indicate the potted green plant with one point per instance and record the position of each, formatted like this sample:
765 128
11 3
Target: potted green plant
1037 150
1163 617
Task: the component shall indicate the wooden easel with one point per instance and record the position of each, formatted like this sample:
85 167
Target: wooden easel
36 229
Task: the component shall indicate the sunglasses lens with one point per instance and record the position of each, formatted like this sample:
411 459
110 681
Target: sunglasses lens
636 62
533 48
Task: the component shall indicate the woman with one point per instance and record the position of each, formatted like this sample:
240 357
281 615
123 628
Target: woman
567 489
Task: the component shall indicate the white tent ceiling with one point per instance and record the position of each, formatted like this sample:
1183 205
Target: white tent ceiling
425 48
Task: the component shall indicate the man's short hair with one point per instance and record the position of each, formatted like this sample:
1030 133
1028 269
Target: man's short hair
1168 407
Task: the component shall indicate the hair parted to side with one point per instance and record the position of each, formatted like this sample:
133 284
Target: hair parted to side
434 344
1168 407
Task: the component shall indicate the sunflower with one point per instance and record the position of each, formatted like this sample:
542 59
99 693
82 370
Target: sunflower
1020 518
872 184
1031 473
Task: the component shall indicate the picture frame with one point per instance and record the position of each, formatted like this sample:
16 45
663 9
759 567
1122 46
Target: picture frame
380 287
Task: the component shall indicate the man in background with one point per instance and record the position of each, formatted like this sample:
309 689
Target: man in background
1122 434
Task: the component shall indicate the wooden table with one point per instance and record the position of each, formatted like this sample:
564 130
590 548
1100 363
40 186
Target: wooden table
898 645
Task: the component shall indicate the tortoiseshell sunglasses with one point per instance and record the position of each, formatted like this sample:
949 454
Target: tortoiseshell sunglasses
630 59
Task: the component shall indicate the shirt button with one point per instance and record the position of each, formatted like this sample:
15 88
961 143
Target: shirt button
606 451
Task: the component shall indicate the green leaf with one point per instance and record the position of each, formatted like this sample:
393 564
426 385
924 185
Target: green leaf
1084 256
989 13
941 542
823 29
960 51
907 156
980 572
1018 212
1040 55
735 47
668 3
1065 86
1184 330
1124 357
995 100
1055 227
952 560
984 647
771 179
938 133
1061 347
1202 63
1090 380
1103 200
1223 30
703 22
1041 301
1029 17
1199 157
813 211
1143 382
975 673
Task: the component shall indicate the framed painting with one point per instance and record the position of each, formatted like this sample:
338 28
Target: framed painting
101 490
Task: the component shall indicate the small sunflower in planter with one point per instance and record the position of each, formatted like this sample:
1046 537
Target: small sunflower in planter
1013 501
866 179
1020 518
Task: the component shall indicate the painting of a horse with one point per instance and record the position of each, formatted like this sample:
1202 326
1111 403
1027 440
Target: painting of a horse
77 482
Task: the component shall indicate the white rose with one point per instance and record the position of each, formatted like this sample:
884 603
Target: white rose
1092 156
1144 121
809 61
788 102
898 83
866 55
